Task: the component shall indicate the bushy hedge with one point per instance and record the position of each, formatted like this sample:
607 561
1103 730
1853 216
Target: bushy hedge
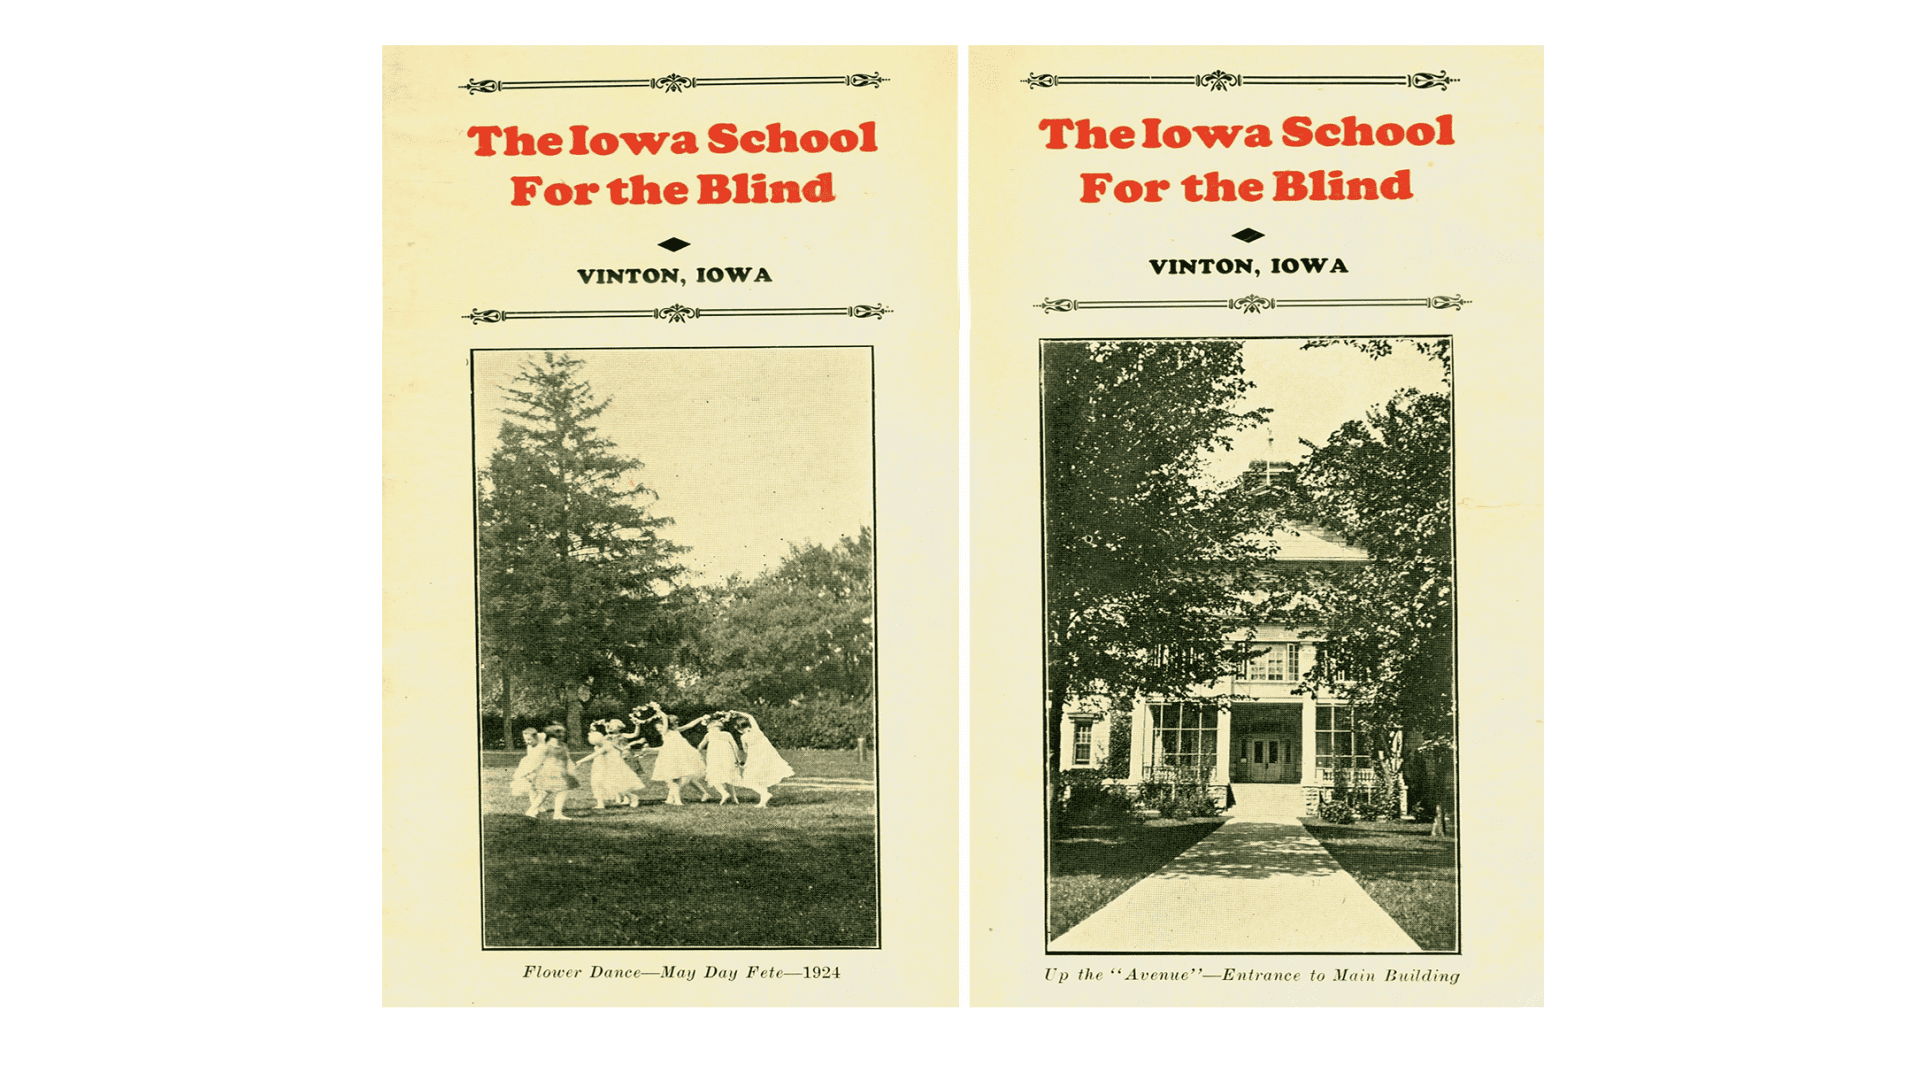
600 708
1084 800
821 724
818 724
1177 800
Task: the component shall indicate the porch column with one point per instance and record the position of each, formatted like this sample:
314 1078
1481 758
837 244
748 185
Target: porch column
1141 740
1309 655
1308 775
1223 746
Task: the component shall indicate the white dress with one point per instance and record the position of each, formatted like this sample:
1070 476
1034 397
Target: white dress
612 777
765 766
723 762
523 776
678 759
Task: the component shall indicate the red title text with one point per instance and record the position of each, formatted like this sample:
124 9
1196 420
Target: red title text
580 140
1286 185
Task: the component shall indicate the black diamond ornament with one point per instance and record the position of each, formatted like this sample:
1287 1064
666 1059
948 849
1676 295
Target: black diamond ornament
1248 235
674 243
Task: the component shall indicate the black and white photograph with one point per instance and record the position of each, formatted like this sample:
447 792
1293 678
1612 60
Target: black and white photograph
1250 722
675 593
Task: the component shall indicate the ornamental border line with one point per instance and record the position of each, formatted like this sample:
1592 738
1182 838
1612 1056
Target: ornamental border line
1253 305
1222 80
679 313
673 83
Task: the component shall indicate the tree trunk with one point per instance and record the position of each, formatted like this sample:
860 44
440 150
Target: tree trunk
1394 769
1056 712
574 708
506 708
1443 801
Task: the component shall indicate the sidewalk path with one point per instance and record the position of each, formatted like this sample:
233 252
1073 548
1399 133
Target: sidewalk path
1259 883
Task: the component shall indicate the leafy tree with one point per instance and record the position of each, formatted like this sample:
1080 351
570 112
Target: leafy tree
1146 562
576 586
801 630
1384 483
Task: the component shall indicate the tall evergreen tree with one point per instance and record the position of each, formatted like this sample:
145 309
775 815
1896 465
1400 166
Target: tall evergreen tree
576 585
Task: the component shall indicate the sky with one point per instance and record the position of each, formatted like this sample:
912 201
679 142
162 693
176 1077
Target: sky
1312 392
748 449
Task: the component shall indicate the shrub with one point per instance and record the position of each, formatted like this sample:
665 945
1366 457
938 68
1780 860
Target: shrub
1149 795
1195 802
1119 762
1178 800
1385 796
819 723
1086 801
1335 813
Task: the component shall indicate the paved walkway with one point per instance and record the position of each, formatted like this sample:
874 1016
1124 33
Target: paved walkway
1259 883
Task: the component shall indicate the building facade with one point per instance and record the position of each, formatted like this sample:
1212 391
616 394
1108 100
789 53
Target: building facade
1259 725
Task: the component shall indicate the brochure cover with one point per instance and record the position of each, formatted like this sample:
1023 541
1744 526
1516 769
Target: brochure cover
671 542
1256 547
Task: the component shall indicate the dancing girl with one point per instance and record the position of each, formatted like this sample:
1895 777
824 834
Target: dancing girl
765 767
523 775
679 763
554 775
723 757
613 778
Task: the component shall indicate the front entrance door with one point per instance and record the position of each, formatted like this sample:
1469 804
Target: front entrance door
1266 749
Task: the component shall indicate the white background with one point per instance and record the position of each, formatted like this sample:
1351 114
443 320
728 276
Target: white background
195 545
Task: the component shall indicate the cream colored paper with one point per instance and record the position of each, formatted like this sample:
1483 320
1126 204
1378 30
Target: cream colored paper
454 245
1472 230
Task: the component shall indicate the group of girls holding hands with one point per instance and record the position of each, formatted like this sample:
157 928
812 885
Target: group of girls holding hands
737 754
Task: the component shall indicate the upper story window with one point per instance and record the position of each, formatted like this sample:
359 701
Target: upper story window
1083 742
1280 663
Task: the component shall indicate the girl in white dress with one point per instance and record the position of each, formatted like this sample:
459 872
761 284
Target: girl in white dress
612 778
765 767
678 762
553 774
523 776
723 758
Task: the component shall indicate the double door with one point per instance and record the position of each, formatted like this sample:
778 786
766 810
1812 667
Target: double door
1267 749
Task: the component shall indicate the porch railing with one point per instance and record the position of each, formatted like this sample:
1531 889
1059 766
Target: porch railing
1178 774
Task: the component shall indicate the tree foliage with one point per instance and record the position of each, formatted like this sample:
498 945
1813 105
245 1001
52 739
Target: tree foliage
802 630
1146 562
576 585
1384 483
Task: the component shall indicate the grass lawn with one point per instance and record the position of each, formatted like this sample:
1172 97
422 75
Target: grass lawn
799 873
1092 864
1412 875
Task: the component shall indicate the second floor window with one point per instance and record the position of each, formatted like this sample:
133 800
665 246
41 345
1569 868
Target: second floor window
1083 742
1280 663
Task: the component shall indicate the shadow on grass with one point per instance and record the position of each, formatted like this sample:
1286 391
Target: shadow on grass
797 874
1414 877
1093 864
